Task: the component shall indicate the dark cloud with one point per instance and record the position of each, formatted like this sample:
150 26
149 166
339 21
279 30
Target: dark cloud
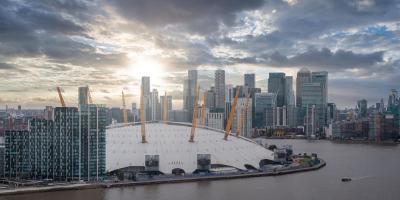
310 18
317 59
197 15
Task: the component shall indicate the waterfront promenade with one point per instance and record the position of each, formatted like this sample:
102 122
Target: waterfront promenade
156 180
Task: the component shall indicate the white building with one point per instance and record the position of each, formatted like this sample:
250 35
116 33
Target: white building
168 145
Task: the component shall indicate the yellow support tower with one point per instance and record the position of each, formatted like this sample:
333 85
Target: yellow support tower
142 117
196 107
231 114
60 96
203 109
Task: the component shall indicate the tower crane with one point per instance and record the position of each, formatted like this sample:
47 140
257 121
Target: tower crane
196 107
231 114
60 96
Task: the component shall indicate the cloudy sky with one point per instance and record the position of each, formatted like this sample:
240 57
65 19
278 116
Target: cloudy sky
110 44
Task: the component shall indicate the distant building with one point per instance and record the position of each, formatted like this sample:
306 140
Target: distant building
189 93
362 108
210 101
312 97
303 76
155 105
178 115
83 95
215 120
276 84
166 106
250 80
48 113
331 113
265 106
393 99
146 97
322 78
243 108
219 85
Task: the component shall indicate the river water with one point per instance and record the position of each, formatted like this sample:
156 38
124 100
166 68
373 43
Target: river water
374 169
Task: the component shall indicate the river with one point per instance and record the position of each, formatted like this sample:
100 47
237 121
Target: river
374 169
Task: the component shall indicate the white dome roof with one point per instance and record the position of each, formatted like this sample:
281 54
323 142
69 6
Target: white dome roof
170 142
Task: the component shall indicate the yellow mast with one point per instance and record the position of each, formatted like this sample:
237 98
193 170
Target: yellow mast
142 117
203 109
60 96
231 114
196 107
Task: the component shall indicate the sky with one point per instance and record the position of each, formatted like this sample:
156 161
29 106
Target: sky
110 44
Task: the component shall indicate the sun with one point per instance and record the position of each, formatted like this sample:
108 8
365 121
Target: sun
143 65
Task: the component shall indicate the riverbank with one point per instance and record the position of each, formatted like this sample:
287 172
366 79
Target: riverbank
82 186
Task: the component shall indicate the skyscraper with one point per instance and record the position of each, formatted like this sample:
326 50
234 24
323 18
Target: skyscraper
83 95
303 76
362 108
190 92
220 89
155 105
265 106
393 98
146 97
322 78
312 97
250 80
166 106
92 144
276 84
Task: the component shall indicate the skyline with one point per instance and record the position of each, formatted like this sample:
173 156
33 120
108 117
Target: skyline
109 45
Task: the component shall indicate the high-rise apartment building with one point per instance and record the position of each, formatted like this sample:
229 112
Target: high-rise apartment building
303 76
312 97
276 84
219 85
155 105
92 144
189 93
83 95
250 80
146 97
265 106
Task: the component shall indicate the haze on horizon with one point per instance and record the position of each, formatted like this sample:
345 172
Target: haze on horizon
110 44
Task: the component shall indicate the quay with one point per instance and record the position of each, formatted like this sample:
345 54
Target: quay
176 179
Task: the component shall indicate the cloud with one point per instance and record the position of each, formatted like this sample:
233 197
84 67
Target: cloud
202 16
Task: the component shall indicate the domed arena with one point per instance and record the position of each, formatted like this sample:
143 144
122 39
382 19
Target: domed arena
167 149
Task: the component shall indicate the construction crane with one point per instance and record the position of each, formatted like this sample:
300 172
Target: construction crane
231 114
196 107
142 116
240 125
125 112
203 109
60 96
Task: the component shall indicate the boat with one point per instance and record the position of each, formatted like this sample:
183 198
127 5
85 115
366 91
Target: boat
346 179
